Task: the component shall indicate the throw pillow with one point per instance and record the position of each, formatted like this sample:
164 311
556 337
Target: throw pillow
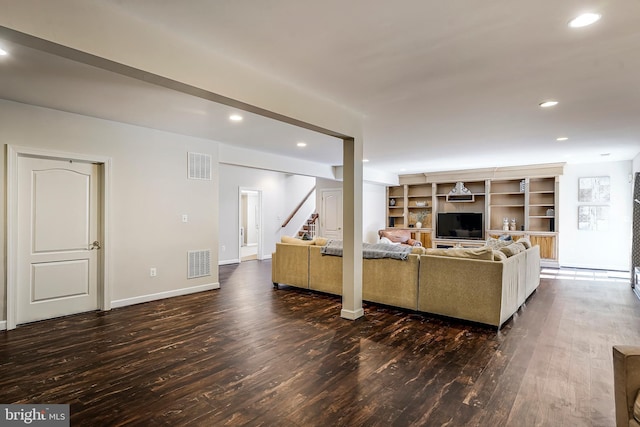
520 246
484 253
499 256
636 408
526 242
496 244
388 241
511 250
294 241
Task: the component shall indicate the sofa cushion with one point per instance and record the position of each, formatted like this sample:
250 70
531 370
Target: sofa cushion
471 253
294 241
499 256
636 408
511 250
526 242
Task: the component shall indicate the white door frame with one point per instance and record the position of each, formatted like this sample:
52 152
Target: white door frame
104 276
258 219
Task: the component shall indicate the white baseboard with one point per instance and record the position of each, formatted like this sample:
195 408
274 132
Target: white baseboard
3 325
266 257
162 295
596 266
351 314
228 261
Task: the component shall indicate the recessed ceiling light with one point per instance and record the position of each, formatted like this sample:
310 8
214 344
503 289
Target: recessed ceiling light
235 118
301 144
365 160
403 169
547 104
584 20
562 138
3 52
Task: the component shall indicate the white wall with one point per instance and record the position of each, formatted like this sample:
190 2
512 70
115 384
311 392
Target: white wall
150 192
374 199
281 193
636 164
373 206
596 249
231 155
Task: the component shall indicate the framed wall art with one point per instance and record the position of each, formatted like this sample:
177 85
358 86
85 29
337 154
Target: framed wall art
593 218
594 189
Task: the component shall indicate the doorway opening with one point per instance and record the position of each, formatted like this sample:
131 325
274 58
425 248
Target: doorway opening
250 230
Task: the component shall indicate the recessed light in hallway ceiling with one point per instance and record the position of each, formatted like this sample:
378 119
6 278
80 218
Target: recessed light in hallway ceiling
235 118
584 20
547 104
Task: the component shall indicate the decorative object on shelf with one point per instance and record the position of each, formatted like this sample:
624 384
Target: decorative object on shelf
522 186
551 212
421 204
419 217
392 202
460 193
505 224
512 226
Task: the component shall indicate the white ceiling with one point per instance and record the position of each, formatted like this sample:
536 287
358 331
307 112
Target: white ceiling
38 78
442 84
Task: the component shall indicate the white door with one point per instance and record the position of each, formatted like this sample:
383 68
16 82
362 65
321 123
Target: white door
331 214
57 259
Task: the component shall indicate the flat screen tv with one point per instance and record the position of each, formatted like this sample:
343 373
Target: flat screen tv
460 225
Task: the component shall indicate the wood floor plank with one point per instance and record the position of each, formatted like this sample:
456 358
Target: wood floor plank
247 354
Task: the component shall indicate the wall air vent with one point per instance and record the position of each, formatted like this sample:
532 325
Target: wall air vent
199 166
199 264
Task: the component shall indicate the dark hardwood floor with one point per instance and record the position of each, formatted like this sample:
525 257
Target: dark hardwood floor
247 354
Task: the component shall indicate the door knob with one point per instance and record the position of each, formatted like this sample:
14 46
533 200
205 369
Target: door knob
95 245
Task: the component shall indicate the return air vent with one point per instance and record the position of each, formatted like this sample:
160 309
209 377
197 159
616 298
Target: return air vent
199 166
199 264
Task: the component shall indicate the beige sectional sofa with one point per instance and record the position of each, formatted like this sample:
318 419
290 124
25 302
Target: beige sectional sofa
465 284
384 281
480 290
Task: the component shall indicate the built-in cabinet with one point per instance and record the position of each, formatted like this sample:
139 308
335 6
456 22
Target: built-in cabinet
519 201
396 197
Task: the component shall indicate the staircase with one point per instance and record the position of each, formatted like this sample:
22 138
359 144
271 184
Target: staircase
308 230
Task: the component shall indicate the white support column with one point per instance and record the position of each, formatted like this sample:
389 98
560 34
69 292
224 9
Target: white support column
352 230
